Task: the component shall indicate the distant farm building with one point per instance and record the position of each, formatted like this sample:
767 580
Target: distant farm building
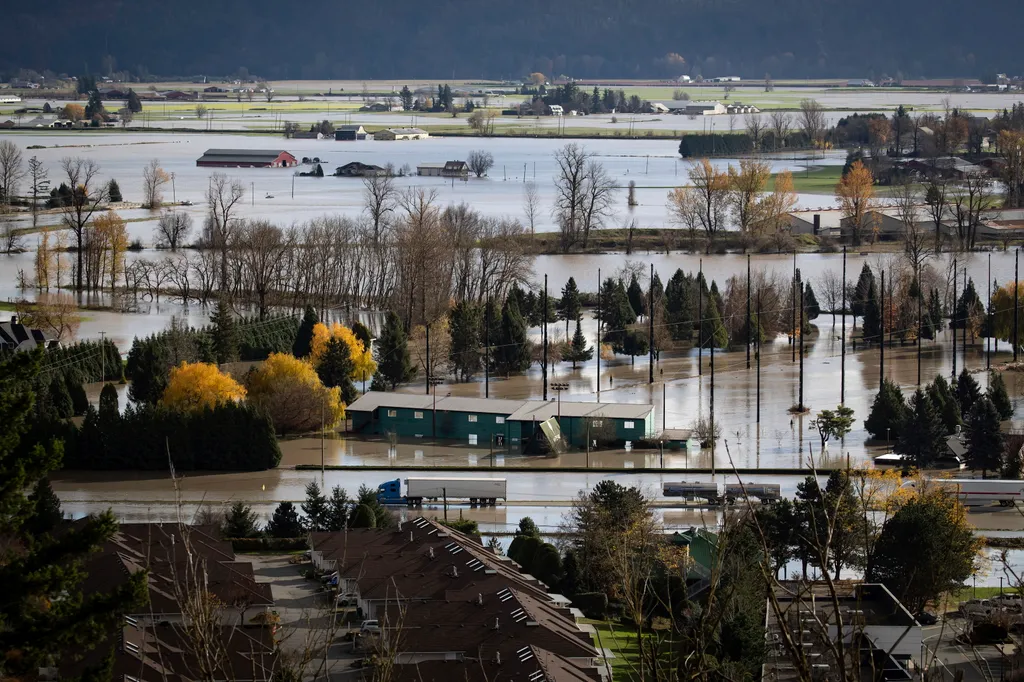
740 108
356 169
704 109
401 134
15 336
349 132
860 83
450 169
556 110
246 158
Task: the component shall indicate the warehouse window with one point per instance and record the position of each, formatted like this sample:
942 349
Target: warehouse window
499 420
392 413
628 425
597 423
417 415
472 417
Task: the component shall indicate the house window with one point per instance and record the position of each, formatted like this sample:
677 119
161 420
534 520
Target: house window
628 425
499 420
472 439
392 413
417 415
597 423
472 418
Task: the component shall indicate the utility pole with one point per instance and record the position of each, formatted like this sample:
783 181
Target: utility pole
758 360
1016 276
426 370
711 405
952 320
700 318
988 308
444 495
920 295
964 333
544 334
881 333
174 190
792 339
650 327
801 317
748 312
103 357
487 348
598 353
842 340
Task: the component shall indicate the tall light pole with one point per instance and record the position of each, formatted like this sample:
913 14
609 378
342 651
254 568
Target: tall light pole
433 382
558 387
103 357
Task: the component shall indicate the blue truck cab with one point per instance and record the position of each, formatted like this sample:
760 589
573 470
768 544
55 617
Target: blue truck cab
390 492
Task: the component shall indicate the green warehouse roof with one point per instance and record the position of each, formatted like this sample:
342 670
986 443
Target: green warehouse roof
516 410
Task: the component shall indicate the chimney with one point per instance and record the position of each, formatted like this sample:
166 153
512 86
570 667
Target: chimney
497 658
455 571
496 626
479 599
431 551
817 223
14 319
410 536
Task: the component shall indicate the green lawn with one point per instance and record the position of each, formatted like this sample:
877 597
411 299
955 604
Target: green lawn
814 180
616 638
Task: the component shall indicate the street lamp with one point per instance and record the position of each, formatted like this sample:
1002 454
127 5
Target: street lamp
433 382
558 387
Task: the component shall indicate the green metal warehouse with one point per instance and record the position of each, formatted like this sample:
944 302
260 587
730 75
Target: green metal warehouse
505 423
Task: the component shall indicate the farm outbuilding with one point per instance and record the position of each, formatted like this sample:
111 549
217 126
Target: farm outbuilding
347 133
504 423
401 134
246 158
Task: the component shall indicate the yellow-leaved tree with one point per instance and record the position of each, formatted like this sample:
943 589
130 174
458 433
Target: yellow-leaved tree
855 193
197 385
363 364
293 395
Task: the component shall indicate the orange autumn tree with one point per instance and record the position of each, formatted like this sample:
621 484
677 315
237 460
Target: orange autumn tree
293 395
194 386
363 364
855 193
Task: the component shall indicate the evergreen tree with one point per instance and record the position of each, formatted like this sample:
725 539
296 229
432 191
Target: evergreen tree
338 507
363 517
527 528
94 107
464 326
315 508
985 442
967 391
569 305
970 310
285 522
149 362
923 437
528 308
304 339
407 99
362 332
872 326
860 293
618 315
811 307
224 333
46 511
578 350
133 103
336 367
888 412
715 296
680 306
635 294
513 353
42 610
943 398
713 333
392 351
108 401
241 522
114 192
60 399
1000 398
79 401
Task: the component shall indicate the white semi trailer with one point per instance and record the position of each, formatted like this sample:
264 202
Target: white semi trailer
977 492
482 491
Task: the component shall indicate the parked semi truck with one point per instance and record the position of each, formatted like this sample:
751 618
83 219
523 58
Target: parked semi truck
482 491
718 493
977 492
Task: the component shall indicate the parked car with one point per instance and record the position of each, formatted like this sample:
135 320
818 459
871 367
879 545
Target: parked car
369 627
347 599
925 618
977 607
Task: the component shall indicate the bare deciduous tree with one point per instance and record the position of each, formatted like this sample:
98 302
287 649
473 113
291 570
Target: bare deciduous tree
11 173
480 161
55 314
86 196
711 192
259 246
173 228
40 186
569 190
812 121
531 205
756 127
781 123
153 178
915 246
222 197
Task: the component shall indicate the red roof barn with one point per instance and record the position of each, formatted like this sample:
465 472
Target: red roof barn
246 158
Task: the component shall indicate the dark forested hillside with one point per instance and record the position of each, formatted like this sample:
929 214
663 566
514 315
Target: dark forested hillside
343 39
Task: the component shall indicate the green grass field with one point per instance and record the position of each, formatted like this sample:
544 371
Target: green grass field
814 180
617 639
